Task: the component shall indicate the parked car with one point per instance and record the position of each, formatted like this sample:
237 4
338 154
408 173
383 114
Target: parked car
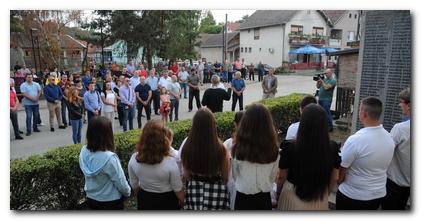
265 66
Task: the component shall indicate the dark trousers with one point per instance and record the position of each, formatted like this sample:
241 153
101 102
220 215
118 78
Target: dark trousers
230 76
15 124
174 108
251 75
109 205
260 78
206 77
155 100
63 113
345 203
258 201
196 95
91 115
157 201
140 108
235 97
120 113
128 113
31 111
326 105
396 197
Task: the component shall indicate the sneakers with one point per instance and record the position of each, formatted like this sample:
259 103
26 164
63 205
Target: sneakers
52 129
28 134
21 132
62 127
41 124
19 138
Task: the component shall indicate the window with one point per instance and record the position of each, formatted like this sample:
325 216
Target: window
296 29
355 16
249 50
260 49
336 34
26 53
245 49
256 33
351 36
241 49
350 15
318 31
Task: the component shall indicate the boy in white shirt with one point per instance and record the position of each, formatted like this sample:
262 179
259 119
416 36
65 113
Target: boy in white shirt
398 184
366 156
293 128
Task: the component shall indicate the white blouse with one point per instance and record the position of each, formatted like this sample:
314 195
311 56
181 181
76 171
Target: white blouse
252 178
156 178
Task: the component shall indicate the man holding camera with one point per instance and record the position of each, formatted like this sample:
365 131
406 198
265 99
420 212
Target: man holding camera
326 87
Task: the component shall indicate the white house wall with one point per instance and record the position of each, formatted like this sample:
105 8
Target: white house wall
270 38
308 19
211 54
347 24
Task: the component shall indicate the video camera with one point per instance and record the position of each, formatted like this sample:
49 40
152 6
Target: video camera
319 76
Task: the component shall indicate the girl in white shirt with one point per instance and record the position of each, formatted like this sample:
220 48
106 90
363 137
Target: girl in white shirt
255 155
110 103
153 171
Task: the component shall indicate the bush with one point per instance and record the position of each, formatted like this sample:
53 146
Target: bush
54 180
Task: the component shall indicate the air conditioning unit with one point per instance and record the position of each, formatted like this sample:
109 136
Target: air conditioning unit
271 50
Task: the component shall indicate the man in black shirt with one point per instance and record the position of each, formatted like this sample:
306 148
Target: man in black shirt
143 98
215 95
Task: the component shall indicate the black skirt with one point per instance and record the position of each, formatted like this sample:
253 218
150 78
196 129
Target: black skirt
108 205
157 201
258 201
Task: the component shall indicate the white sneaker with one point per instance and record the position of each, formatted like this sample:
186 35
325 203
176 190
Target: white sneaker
41 124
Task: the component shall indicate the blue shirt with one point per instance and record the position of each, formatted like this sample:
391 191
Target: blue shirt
127 95
52 93
31 90
92 101
86 80
238 84
152 82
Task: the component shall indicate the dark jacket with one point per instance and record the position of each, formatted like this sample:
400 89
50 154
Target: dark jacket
214 98
75 111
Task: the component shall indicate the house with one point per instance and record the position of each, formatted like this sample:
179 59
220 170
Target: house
211 46
344 30
233 26
267 36
21 51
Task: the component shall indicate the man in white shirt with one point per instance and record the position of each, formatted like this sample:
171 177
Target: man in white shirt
183 76
164 81
366 156
398 184
135 80
293 128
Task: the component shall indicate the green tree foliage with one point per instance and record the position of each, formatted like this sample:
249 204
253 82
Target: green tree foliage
209 26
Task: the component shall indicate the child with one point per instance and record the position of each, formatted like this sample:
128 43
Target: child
165 104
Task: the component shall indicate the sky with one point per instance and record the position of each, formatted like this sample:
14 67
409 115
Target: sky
233 15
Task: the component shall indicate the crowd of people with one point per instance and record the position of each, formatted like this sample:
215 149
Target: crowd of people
297 173
125 92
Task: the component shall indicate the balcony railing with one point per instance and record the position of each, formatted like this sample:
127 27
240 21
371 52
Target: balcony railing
335 42
302 39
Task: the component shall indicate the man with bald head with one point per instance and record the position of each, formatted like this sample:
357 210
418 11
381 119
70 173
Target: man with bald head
326 87
143 99
215 95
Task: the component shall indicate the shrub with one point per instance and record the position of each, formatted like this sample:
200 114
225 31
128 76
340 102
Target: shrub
54 180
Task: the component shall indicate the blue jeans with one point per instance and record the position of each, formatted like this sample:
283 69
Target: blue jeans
184 87
31 122
128 113
77 130
326 105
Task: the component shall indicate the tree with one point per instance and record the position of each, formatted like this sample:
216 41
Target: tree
243 19
209 26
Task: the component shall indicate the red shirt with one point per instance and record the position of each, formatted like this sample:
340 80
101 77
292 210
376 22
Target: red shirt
12 98
144 73
174 68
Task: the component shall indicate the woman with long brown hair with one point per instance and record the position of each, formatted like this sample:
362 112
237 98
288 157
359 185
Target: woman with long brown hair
205 163
75 114
153 171
255 156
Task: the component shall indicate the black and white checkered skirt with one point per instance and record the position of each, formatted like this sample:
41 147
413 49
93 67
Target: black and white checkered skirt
206 193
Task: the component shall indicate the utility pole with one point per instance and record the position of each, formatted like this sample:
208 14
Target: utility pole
226 35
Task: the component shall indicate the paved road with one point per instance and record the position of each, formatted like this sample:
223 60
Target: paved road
39 143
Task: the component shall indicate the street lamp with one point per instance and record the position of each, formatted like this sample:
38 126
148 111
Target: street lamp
33 49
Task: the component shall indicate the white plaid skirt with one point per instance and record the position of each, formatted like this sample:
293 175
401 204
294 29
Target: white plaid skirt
205 193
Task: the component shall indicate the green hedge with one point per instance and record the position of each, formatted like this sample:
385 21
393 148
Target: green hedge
54 180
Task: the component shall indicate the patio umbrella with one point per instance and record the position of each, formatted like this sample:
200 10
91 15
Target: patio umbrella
308 49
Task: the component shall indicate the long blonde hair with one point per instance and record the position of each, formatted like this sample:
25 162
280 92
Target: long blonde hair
73 96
